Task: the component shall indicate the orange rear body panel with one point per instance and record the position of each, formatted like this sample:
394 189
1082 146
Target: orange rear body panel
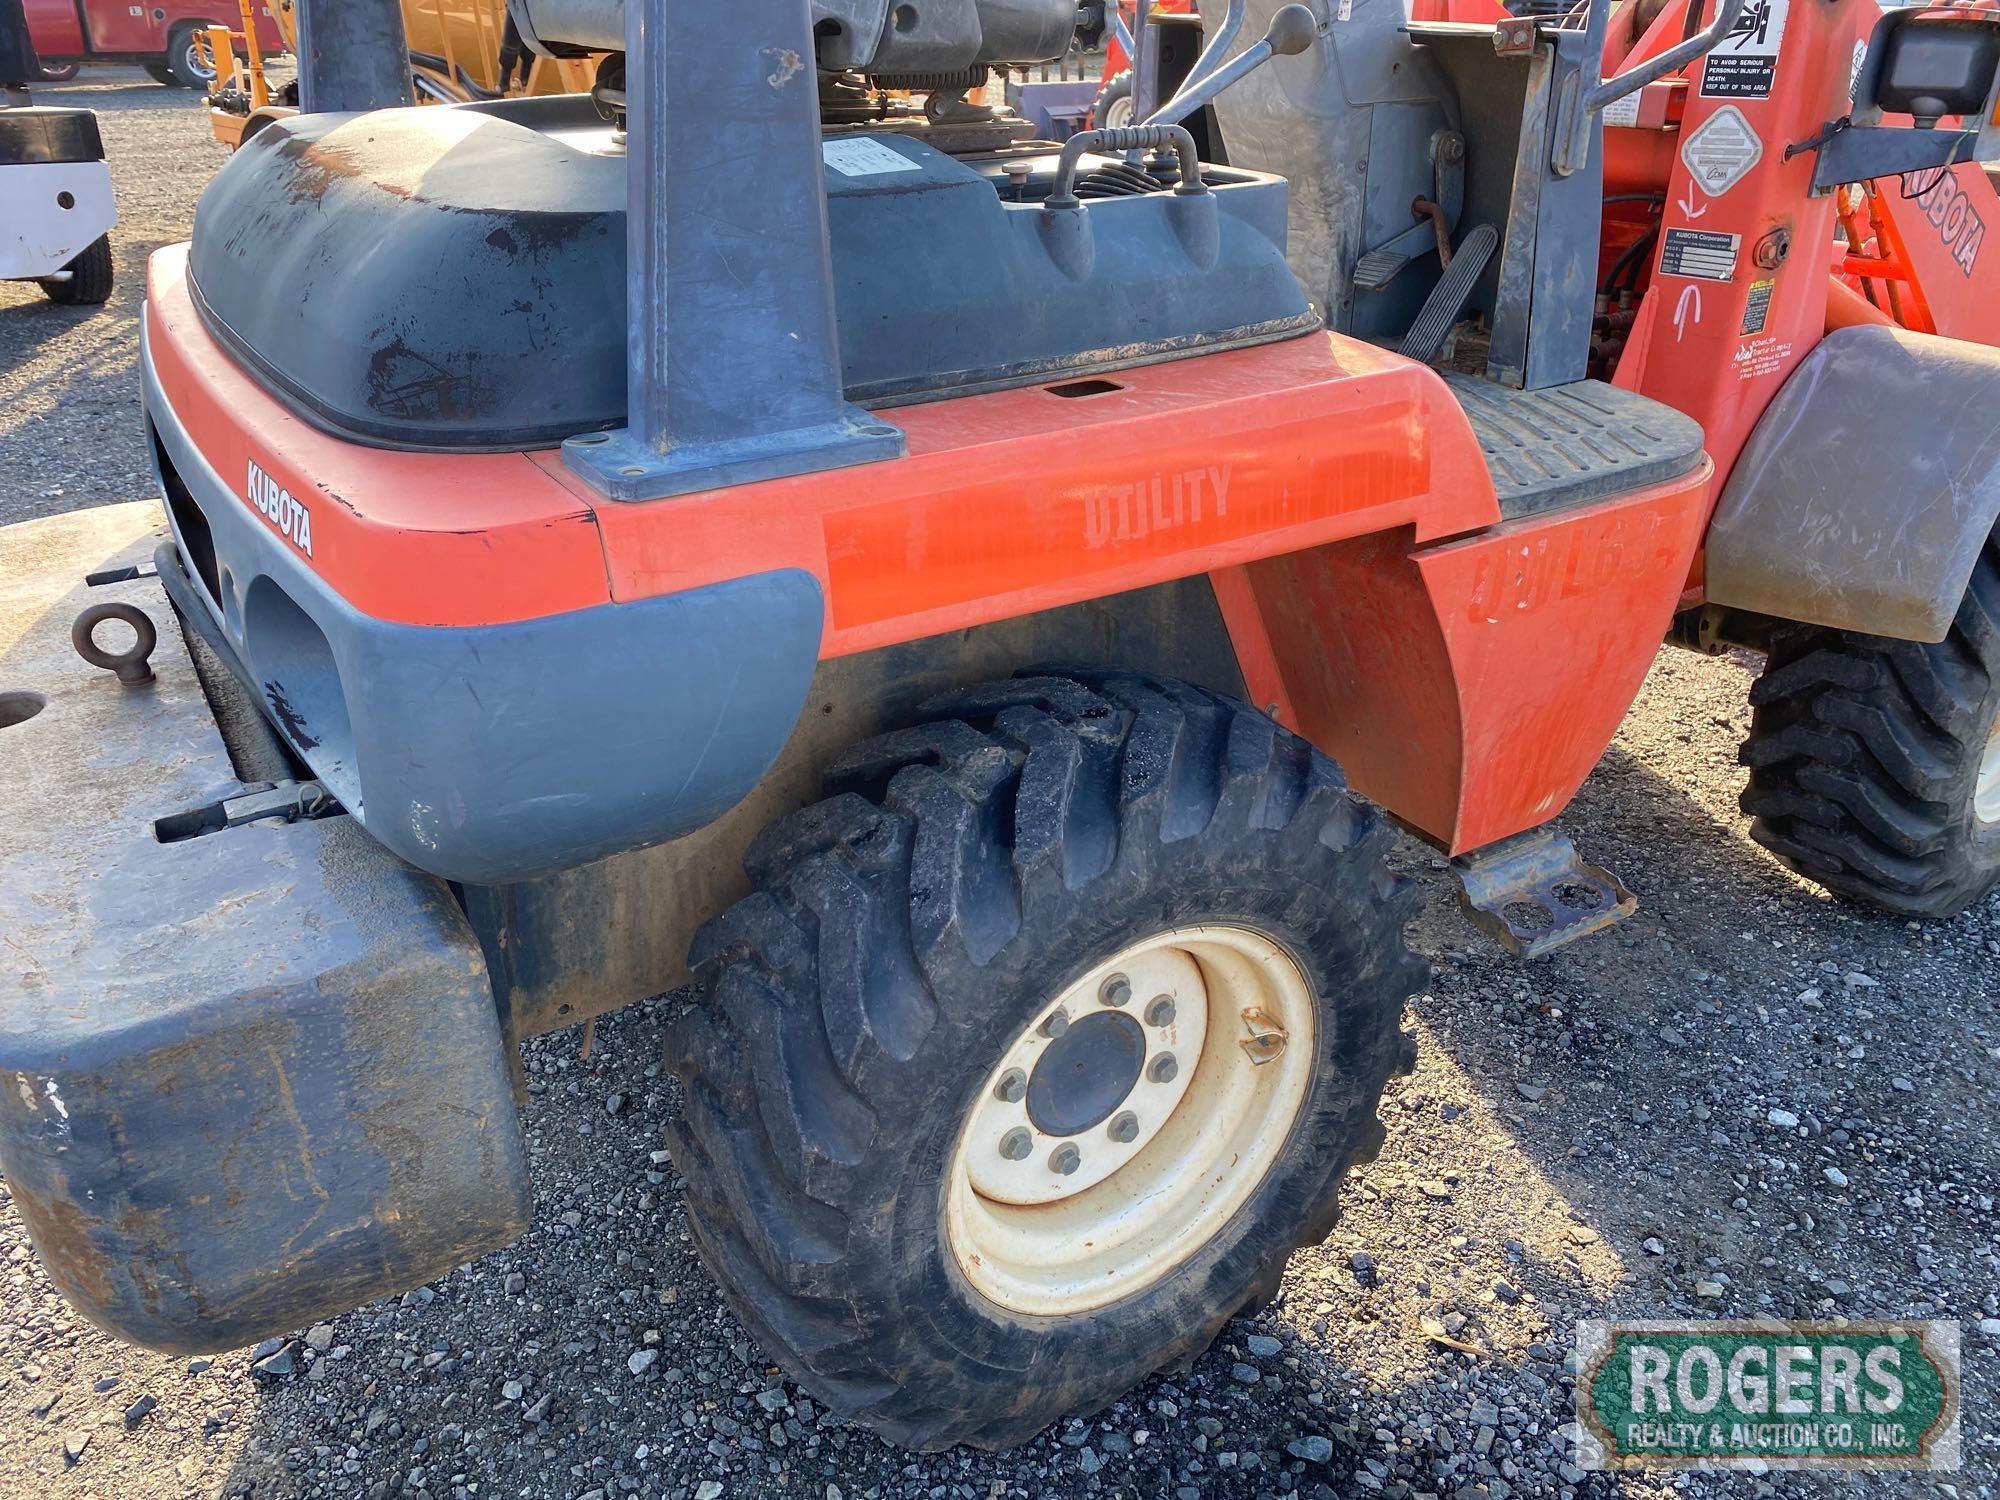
1468 673
1025 500
1007 503
1470 687
417 538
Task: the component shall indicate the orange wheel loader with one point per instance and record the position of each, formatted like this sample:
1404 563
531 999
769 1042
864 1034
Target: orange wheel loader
975 604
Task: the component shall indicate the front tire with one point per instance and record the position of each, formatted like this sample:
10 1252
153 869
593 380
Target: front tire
1875 764
90 277
905 943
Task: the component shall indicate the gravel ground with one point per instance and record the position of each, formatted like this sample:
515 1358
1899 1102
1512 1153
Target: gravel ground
70 433
1746 1101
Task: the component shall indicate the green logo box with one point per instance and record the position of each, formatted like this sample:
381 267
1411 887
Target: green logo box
1767 1395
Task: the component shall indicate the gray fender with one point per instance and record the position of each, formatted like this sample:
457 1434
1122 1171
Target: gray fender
1867 487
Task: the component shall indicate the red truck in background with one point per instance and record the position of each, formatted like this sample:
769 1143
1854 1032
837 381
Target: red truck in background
157 34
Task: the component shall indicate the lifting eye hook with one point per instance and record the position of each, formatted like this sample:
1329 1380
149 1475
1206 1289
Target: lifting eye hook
131 664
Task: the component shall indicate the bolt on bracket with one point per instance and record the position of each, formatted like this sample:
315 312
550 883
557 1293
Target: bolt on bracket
1534 893
1267 1039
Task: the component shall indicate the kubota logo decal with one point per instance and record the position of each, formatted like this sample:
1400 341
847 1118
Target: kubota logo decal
1951 212
278 506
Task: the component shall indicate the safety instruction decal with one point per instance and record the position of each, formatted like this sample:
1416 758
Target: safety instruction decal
1623 111
1721 151
1757 310
1702 254
1744 64
865 158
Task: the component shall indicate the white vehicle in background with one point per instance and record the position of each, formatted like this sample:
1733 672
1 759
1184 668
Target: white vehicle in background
56 208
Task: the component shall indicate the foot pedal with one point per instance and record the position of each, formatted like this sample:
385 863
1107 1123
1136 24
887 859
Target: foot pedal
1378 268
1425 340
1533 893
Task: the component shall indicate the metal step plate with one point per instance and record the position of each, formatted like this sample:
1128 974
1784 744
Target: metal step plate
1534 894
1568 444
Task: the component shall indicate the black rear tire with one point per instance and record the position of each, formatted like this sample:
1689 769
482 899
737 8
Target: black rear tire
1865 757
90 277
183 58
1105 110
159 72
60 72
960 875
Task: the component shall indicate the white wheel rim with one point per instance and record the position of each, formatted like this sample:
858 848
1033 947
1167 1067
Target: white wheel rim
1986 795
1118 113
1243 1031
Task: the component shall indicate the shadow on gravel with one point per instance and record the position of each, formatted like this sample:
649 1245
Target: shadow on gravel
1781 1101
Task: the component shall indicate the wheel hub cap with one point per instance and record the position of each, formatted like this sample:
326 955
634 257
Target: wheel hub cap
1086 1073
1128 1122
1091 1058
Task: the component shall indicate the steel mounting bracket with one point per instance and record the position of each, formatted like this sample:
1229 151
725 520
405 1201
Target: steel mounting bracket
1534 894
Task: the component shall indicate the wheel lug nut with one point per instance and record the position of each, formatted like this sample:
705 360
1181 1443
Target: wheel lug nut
1012 1087
1124 1127
1117 990
1161 1011
1163 1069
1055 1025
1065 1159
1017 1143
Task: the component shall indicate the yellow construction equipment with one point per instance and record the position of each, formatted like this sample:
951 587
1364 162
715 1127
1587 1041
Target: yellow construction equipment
456 55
